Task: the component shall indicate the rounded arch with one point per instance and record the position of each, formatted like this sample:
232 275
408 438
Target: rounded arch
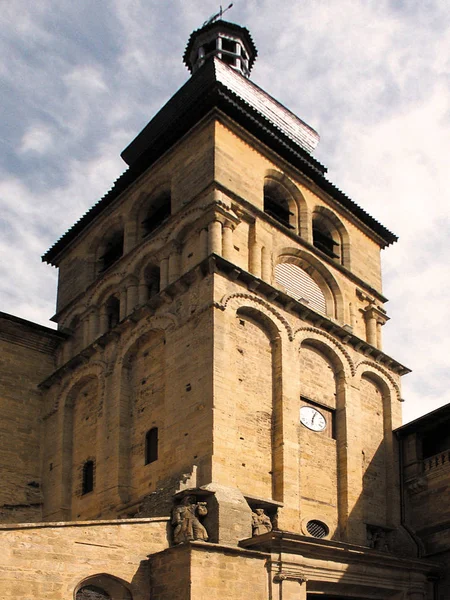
128 343
330 347
105 288
141 203
155 210
334 302
69 390
263 306
184 223
107 247
266 323
382 378
113 587
283 198
138 340
330 235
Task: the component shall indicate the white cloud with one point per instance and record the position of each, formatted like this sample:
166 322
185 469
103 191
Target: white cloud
38 138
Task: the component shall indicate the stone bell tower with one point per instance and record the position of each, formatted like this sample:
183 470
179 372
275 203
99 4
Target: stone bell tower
222 309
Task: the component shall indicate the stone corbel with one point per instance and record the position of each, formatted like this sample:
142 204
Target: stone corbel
283 576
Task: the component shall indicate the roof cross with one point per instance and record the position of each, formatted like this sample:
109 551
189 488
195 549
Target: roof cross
218 15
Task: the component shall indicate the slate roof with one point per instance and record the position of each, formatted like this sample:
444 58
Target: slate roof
217 86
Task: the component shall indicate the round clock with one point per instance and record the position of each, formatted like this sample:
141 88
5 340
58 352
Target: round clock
312 418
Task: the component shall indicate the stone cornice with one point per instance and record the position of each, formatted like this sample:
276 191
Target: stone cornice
284 542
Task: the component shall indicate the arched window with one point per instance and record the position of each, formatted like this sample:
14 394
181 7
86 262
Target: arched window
112 250
158 212
88 477
113 311
301 286
325 239
151 445
277 203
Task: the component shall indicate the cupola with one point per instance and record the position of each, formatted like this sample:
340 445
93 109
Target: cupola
229 42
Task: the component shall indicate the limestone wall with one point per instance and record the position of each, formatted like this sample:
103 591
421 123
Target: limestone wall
26 358
49 561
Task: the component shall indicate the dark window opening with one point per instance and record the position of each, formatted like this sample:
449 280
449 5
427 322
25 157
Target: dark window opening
229 59
88 477
277 208
228 45
159 212
323 241
209 47
92 592
436 441
152 281
113 251
113 312
151 445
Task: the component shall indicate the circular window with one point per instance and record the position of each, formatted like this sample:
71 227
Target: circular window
317 529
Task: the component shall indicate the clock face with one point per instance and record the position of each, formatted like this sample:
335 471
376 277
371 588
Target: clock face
312 418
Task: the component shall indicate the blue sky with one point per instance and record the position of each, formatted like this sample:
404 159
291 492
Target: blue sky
80 79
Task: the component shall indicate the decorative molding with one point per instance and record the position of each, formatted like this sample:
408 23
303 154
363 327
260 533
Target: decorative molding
84 371
388 376
226 299
329 337
163 322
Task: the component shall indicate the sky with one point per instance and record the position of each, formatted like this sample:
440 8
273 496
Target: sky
80 79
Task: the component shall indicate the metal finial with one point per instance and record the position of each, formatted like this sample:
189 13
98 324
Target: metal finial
218 15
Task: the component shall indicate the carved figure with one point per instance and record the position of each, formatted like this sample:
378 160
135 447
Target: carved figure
261 523
377 539
186 521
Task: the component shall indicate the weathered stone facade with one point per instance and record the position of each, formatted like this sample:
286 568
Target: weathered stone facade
200 306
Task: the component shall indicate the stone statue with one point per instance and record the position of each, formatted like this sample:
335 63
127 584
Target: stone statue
261 523
186 521
377 539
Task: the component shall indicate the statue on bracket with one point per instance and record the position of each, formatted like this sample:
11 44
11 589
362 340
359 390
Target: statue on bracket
186 521
261 522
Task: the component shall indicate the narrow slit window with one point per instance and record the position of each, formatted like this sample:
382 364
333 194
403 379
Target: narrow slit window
88 477
151 445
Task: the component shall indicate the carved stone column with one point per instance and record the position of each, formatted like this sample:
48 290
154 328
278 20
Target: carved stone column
164 273
142 293
371 327
374 318
215 238
227 242
93 325
174 266
266 267
123 304
255 258
132 297
103 319
86 332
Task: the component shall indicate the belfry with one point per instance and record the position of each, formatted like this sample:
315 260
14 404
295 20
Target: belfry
214 416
